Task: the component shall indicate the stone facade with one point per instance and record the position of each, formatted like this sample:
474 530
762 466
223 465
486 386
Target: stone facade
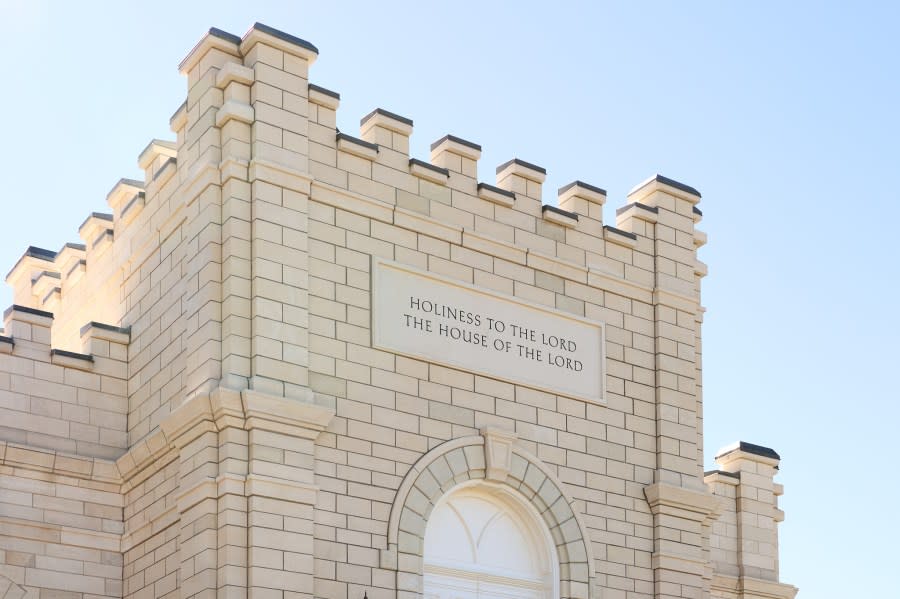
192 404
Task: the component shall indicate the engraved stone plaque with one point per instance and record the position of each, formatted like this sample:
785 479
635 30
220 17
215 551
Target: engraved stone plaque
430 317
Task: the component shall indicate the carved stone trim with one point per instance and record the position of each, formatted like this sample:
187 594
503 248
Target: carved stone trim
498 452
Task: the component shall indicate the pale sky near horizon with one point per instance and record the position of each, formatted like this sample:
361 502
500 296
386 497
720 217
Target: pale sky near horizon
783 114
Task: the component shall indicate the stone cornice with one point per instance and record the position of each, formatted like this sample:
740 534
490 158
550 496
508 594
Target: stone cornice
214 39
283 415
753 588
280 40
34 459
248 409
692 504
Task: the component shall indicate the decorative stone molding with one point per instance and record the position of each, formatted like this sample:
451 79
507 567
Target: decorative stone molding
248 409
693 504
687 512
462 460
282 415
498 446
97 470
752 588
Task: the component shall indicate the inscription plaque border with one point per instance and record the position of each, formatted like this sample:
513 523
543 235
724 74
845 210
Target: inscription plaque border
377 266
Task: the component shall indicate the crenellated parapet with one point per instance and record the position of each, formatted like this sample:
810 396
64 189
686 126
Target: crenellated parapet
255 141
208 258
238 86
744 540
74 402
209 351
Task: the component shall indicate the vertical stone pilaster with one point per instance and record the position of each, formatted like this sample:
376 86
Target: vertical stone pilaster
683 510
231 500
281 494
664 208
199 158
192 431
681 525
279 195
235 119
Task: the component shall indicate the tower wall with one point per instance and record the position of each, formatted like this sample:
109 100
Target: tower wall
253 435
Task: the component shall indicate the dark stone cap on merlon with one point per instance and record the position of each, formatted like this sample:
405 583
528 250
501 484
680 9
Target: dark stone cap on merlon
457 140
72 354
129 182
495 189
677 185
355 140
559 211
26 310
654 209
318 88
522 163
723 473
40 253
285 37
105 327
75 246
583 185
224 35
34 252
388 114
100 215
667 181
750 448
231 44
616 231
429 166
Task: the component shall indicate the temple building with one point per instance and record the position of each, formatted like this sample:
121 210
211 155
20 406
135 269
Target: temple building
293 362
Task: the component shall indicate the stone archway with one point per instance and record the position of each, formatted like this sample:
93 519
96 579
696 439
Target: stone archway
484 540
491 456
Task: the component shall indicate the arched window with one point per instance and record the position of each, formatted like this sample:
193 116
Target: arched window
485 542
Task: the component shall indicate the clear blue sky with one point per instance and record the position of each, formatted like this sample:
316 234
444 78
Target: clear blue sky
783 114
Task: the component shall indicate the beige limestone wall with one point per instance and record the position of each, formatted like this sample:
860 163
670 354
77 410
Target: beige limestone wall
60 525
264 446
52 399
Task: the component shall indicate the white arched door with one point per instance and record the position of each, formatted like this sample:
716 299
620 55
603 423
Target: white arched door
481 542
